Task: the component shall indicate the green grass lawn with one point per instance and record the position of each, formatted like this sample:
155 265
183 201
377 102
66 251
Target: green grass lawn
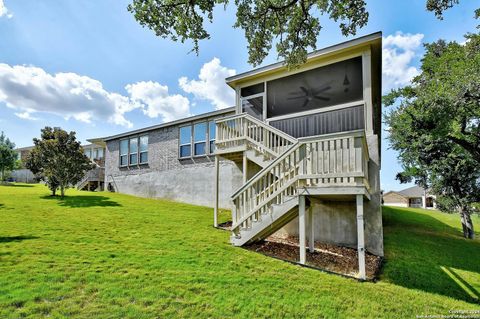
111 255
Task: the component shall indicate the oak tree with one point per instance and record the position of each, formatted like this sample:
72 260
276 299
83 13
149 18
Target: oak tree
293 26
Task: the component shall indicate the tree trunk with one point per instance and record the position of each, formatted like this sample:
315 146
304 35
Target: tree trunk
467 225
54 191
62 191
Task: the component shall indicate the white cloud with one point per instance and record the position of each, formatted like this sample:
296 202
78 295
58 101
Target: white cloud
29 90
155 100
26 116
399 51
4 11
211 85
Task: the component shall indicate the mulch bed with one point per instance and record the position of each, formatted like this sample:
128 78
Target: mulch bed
225 225
340 260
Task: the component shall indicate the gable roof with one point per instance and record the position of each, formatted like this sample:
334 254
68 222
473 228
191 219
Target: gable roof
414 191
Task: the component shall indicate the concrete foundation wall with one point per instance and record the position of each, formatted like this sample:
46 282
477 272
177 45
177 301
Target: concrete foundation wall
166 176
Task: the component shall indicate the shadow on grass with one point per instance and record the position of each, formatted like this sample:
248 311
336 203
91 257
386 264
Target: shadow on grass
11 239
83 201
16 185
426 254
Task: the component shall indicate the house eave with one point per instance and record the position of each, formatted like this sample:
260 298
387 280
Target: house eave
102 140
374 38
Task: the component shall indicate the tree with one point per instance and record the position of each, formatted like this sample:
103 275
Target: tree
8 155
58 157
436 125
293 25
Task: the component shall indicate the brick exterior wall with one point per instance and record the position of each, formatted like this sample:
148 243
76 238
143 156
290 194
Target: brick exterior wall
395 199
166 176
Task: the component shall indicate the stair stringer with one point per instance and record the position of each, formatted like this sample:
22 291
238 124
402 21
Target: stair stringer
281 214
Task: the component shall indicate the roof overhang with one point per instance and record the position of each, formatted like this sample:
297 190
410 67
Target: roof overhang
374 40
102 140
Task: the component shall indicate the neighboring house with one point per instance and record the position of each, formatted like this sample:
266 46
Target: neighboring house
22 174
298 142
93 180
415 196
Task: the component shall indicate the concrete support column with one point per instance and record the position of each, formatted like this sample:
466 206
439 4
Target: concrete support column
244 169
217 176
301 226
311 235
361 238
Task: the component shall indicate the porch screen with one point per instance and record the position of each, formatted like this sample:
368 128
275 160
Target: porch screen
333 84
348 119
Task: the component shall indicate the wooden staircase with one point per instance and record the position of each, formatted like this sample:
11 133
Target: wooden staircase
333 163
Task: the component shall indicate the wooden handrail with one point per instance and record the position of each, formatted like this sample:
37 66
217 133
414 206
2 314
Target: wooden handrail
334 159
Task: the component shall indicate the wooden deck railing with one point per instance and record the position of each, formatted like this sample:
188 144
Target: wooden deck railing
339 159
235 131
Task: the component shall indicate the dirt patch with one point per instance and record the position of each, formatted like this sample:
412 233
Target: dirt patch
225 225
341 260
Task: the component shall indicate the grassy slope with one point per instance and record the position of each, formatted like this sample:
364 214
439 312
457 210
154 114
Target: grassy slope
112 255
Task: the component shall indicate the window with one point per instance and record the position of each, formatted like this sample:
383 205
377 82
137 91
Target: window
143 140
200 138
252 100
185 141
99 153
133 153
211 136
88 153
123 152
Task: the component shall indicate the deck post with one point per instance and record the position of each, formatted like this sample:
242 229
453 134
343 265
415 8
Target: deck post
217 176
244 167
311 236
360 238
301 226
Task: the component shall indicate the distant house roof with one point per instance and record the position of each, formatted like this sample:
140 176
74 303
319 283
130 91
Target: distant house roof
414 191
27 148
411 192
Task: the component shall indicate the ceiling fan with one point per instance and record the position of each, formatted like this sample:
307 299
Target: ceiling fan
310 94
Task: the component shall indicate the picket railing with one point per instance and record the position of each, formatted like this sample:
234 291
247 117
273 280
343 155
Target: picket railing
339 159
96 174
235 131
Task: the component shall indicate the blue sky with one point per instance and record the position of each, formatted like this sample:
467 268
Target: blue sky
88 66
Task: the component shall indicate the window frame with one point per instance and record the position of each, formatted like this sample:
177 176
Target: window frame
130 153
126 154
194 143
140 152
190 142
210 139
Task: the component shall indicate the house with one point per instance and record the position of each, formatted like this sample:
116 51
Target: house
23 174
298 154
415 196
93 180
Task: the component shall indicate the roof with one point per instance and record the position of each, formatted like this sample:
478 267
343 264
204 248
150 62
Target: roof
414 191
315 54
27 148
163 125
